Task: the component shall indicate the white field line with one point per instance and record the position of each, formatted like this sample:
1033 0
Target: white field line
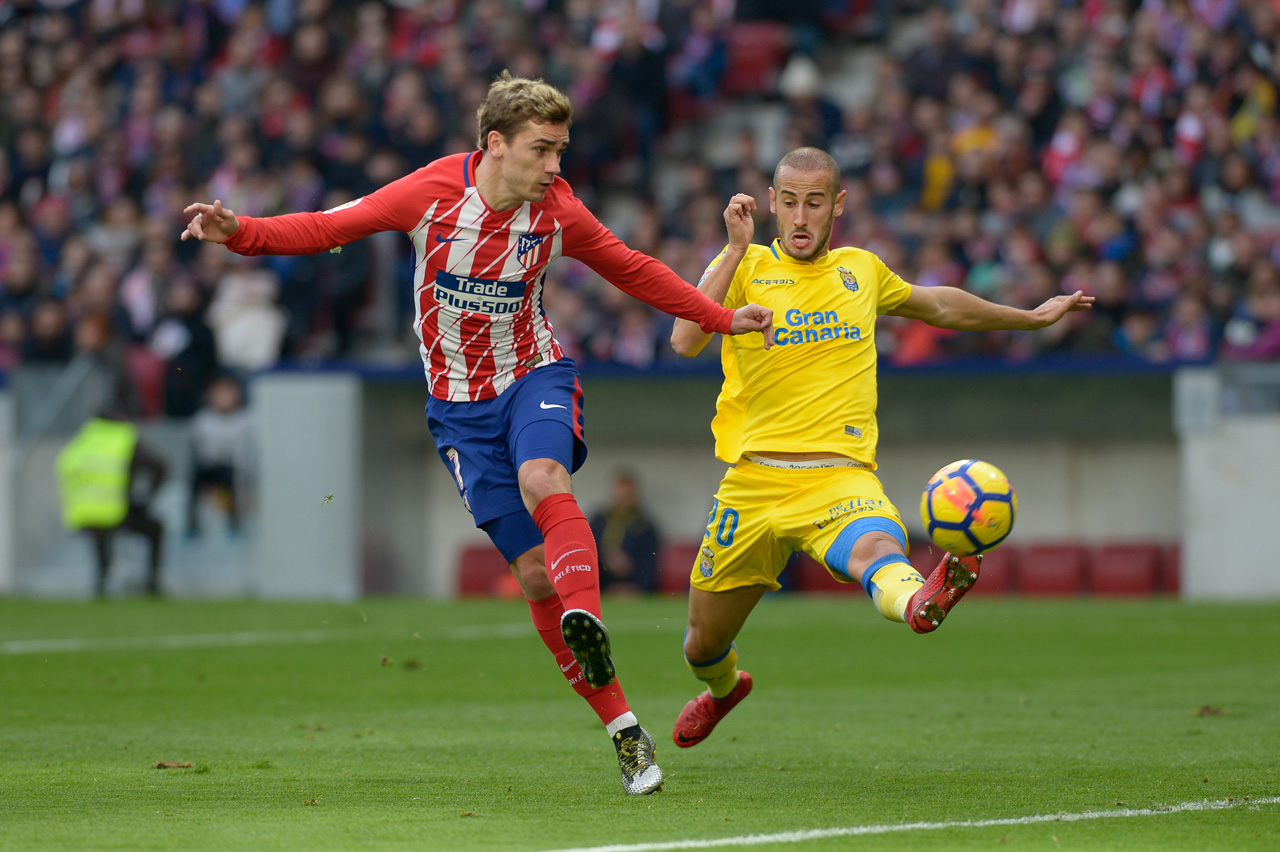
464 633
198 640
860 830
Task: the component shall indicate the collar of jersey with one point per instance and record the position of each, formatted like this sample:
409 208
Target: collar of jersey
783 256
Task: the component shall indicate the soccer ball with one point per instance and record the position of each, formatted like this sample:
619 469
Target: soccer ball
968 507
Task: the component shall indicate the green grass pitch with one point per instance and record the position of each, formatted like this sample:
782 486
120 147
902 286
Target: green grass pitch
411 725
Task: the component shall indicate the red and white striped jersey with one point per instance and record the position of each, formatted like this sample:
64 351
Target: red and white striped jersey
479 273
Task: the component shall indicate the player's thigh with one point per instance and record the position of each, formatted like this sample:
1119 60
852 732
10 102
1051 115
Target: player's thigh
833 517
739 546
472 441
546 414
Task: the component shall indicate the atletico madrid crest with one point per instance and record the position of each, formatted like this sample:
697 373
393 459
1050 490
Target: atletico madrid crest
527 246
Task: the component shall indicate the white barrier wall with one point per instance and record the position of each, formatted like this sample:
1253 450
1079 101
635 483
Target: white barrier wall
310 507
8 576
1093 458
1230 464
1067 492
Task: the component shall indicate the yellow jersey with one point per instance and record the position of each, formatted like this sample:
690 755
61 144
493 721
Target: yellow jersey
815 390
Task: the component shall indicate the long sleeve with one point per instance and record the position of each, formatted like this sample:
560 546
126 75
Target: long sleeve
637 274
388 209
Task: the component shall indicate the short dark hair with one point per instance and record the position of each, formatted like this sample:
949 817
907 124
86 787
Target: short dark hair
809 160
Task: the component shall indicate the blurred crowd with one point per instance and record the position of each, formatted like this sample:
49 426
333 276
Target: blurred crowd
1017 148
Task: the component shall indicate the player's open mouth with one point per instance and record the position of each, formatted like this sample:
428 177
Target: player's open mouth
800 239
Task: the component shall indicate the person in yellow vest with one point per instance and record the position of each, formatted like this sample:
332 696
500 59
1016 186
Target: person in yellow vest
103 493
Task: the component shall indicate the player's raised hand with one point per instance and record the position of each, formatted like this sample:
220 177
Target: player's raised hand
753 317
738 221
212 223
1058 307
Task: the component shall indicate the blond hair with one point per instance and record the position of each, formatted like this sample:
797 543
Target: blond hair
512 101
809 160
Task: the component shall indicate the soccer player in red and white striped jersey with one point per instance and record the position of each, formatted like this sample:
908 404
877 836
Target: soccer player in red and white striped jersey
506 404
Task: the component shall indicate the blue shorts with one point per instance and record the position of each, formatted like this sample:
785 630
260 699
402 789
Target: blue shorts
483 444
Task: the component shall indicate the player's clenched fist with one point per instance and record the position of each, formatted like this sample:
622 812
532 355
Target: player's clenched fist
212 223
754 317
738 221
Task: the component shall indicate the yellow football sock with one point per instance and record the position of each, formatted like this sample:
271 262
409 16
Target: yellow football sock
721 674
892 585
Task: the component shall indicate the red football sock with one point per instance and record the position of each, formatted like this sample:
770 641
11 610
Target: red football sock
608 701
571 552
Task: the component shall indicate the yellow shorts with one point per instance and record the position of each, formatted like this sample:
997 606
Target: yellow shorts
762 514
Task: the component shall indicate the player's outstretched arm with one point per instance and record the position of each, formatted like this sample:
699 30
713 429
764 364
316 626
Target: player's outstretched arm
951 307
753 317
212 223
687 338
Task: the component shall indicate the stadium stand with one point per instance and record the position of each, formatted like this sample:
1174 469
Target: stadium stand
675 561
1170 569
1017 149
482 572
1125 569
1053 569
999 571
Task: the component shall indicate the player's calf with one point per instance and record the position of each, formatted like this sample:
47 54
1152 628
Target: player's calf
949 582
588 639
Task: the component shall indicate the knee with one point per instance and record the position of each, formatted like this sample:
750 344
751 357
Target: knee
531 574
700 646
540 478
869 548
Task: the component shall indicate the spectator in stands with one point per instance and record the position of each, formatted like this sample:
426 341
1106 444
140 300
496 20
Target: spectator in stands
1167 111
112 387
185 342
221 451
50 341
627 539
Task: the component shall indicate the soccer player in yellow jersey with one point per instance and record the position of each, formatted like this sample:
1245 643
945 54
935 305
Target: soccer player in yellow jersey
797 424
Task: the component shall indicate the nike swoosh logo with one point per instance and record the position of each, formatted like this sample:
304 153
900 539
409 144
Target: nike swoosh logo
682 738
566 668
440 238
563 555
545 404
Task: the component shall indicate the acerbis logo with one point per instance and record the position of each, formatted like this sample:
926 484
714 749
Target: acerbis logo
786 282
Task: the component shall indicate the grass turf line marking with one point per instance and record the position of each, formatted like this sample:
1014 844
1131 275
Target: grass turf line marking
855 831
199 640
463 633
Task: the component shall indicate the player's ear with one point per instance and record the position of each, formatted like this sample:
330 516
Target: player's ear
495 143
773 207
839 208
